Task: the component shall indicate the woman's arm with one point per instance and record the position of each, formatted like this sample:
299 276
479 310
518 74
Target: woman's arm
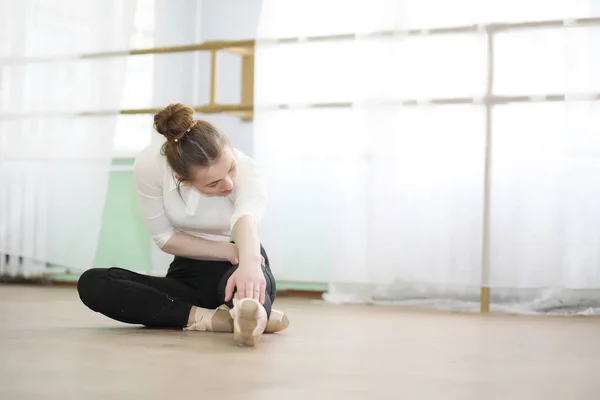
248 278
245 236
250 201
183 245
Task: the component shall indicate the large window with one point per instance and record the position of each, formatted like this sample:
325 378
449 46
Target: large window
391 104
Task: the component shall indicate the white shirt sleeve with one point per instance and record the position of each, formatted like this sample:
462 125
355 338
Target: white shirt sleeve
250 194
148 177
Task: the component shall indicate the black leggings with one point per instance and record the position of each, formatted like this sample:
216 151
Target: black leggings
165 302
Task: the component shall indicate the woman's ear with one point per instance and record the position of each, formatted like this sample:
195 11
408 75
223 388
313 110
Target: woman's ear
179 178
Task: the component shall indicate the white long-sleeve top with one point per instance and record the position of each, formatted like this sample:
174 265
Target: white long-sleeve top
166 211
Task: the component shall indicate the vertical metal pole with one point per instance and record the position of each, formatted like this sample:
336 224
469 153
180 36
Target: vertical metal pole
485 264
213 77
248 83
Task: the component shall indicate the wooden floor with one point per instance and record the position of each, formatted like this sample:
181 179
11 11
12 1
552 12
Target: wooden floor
52 347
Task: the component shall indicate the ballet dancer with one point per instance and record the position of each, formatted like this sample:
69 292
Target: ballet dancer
202 200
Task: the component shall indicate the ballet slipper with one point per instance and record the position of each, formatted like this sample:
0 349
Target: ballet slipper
277 322
249 321
217 320
222 321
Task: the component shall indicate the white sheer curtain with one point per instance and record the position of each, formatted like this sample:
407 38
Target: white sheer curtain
377 162
54 159
176 76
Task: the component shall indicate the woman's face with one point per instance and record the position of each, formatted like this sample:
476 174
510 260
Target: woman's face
219 178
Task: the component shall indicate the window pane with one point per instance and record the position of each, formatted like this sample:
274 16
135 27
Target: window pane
315 159
409 68
545 175
538 10
427 14
302 18
582 120
73 26
419 14
63 86
582 60
526 175
144 25
305 73
427 67
431 167
309 134
405 169
547 61
529 62
134 132
138 89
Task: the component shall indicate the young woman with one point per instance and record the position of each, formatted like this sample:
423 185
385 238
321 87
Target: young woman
202 201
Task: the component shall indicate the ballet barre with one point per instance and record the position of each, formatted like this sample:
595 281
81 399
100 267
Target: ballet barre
243 48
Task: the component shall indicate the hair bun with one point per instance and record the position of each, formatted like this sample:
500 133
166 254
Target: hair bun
173 120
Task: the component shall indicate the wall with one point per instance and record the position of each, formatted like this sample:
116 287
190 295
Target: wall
124 240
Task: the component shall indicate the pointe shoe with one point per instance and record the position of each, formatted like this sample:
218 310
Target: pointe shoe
277 322
218 320
249 321
222 321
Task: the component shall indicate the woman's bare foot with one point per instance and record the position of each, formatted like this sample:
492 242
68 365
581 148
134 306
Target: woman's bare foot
249 321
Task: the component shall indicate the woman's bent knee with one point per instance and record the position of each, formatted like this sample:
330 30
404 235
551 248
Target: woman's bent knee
89 286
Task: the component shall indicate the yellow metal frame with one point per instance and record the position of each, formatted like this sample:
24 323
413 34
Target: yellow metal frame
243 48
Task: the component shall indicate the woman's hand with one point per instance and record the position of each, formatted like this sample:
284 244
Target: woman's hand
249 280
